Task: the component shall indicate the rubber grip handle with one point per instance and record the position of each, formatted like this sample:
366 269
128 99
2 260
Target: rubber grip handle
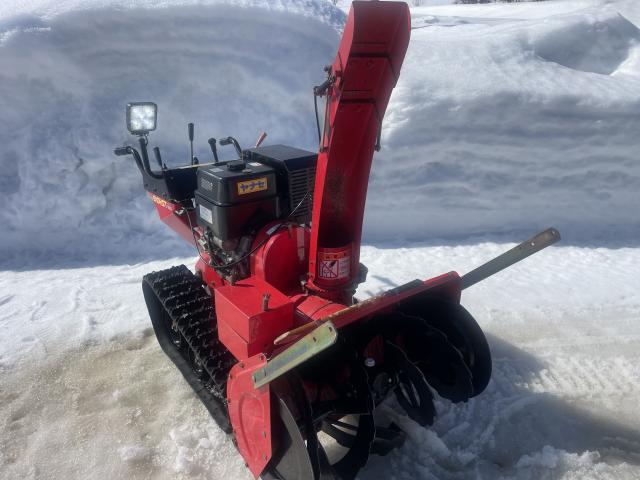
156 153
121 151
190 126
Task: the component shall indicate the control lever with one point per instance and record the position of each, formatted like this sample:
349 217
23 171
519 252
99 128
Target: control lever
261 138
190 127
231 140
214 149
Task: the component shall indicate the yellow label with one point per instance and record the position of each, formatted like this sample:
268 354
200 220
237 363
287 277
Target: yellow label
252 186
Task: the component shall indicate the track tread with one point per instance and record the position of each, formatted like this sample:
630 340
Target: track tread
191 313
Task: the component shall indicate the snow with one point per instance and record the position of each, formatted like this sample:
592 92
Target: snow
67 195
508 118
468 119
462 150
82 373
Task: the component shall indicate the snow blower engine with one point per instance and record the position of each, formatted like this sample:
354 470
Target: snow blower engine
267 331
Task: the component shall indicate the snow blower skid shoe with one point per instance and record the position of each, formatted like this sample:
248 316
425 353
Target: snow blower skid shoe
267 331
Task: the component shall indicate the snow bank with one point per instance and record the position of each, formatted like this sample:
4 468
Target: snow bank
230 69
502 122
507 118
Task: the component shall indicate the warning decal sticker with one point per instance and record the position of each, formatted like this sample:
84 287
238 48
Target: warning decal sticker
206 214
334 265
252 186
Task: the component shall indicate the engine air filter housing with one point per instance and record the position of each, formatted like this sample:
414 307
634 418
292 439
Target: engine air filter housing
295 173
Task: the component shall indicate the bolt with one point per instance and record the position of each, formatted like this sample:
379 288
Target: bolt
265 301
369 362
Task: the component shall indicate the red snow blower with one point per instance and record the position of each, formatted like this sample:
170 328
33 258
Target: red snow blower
267 331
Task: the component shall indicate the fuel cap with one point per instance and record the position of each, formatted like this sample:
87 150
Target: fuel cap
235 165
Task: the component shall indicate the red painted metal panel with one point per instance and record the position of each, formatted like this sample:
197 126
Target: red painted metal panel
447 285
245 327
312 307
283 259
237 345
179 223
250 414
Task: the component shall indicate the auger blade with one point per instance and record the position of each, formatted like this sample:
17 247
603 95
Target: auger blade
461 331
292 459
413 391
444 367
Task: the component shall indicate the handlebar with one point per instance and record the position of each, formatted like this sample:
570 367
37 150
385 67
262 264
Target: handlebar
229 141
214 150
122 151
141 162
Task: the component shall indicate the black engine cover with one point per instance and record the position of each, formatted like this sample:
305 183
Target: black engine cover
234 197
296 174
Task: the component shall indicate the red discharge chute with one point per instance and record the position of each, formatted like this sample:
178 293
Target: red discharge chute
363 75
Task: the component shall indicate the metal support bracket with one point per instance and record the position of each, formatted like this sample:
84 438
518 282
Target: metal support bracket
308 346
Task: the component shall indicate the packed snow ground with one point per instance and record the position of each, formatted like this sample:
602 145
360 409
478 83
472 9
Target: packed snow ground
87 393
507 119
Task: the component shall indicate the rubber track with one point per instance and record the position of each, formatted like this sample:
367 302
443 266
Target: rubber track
176 299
